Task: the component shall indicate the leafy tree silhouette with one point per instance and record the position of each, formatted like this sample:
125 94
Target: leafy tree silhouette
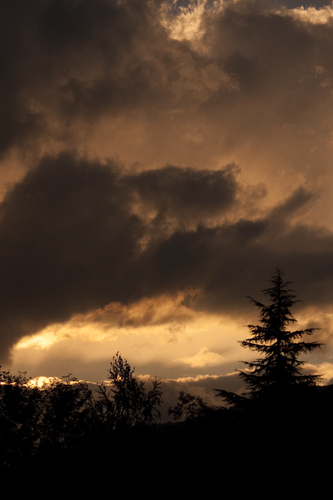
19 418
67 413
188 407
62 422
126 403
277 374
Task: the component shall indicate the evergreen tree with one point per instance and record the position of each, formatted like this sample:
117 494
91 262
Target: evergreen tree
278 371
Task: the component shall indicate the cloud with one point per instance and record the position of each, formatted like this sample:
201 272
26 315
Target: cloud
63 59
203 358
168 95
114 80
63 228
184 196
67 65
72 241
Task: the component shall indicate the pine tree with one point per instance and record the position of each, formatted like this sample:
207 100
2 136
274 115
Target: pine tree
278 371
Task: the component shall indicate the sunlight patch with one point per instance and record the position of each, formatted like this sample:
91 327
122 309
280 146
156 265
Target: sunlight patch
325 369
205 357
311 14
187 25
162 315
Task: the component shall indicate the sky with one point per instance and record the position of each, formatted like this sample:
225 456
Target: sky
158 161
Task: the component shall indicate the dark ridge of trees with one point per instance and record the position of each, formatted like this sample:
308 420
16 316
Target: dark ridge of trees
63 429
63 422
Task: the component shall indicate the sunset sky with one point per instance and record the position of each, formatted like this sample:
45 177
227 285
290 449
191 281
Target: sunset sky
159 160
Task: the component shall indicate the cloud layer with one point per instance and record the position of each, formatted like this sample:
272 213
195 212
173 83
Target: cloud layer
113 79
158 148
74 237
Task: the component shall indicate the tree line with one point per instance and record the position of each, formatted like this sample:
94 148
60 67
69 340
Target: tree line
64 422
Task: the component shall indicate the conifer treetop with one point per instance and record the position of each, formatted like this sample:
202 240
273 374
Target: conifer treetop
278 368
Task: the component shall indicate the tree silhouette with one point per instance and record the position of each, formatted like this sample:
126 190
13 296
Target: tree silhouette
67 412
279 371
188 407
126 403
19 418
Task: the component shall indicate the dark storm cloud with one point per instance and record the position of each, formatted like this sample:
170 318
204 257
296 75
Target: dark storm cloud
99 50
65 58
231 260
70 242
283 67
67 63
257 76
188 193
67 235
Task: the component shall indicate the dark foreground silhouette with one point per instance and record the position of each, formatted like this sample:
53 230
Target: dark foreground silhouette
62 430
66 434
